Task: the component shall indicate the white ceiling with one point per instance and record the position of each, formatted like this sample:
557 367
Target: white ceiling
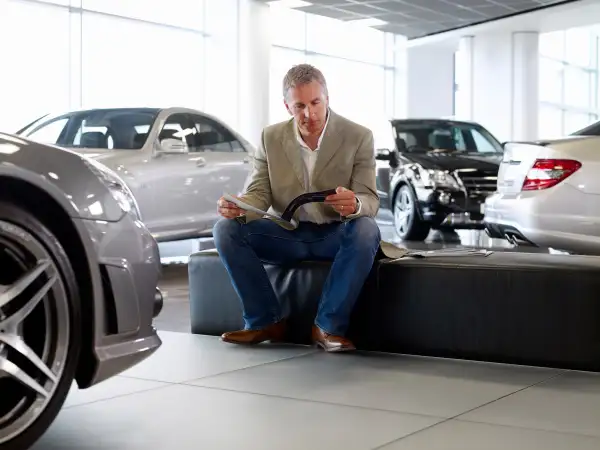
420 18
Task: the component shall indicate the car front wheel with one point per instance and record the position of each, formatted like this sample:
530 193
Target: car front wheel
40 330
407 223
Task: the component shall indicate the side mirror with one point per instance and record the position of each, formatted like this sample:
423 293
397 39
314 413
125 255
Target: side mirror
170 145
383 154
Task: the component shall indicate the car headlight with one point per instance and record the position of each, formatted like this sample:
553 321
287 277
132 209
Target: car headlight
117 187
440 179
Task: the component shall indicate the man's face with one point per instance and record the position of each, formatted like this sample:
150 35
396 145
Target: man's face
308 104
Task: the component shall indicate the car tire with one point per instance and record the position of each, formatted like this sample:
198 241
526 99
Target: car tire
40 327
407 223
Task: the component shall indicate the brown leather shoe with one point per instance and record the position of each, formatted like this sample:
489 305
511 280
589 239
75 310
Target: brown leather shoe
271 333
331 343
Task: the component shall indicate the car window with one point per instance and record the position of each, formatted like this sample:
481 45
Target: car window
415 135
483 145
178 127
212 136
119 129
50 133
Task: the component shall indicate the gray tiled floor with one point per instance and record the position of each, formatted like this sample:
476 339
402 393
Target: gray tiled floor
199 393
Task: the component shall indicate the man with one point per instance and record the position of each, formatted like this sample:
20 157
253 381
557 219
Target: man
315 150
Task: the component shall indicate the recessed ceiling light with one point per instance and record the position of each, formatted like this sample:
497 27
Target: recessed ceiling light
371 22
290 3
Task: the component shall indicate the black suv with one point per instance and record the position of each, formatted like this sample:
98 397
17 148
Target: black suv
438 175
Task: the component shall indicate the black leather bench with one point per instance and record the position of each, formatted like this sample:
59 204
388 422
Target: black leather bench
520 308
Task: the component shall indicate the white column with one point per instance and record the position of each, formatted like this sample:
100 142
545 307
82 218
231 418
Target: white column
254 49
526 85
221 86
463 101
430 74
503 95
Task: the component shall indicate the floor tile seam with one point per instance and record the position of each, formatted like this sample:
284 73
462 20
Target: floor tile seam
510 394
523 427
187 381
143 391
319 402
240 369
427 428
467 412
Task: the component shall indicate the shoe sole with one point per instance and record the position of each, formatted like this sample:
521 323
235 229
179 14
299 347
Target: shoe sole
335 349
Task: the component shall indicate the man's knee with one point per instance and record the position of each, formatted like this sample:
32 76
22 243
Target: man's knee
365 231
226 231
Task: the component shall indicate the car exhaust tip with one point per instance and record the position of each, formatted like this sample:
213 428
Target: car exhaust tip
158 302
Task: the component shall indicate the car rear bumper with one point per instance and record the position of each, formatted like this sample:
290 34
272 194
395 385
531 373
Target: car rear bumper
551 218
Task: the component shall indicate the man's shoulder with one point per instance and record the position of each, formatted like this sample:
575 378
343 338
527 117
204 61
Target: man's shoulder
277 129
351 126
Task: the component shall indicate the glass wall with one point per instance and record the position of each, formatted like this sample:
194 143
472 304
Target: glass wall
569 97
35 72
69 54
363 66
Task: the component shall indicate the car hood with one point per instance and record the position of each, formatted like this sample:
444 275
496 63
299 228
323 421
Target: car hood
455 161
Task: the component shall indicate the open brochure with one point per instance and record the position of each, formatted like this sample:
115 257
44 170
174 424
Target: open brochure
394 252
286 220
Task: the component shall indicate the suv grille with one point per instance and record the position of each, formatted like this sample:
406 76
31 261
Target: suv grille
479 185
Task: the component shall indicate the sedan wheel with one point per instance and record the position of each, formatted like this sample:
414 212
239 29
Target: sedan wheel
37 357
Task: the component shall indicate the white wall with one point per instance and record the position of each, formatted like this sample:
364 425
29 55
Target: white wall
498 83
430 75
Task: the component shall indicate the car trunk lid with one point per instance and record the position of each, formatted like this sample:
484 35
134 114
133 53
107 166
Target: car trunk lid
519 158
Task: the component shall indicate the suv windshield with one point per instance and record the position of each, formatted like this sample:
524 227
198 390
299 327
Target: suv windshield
125 129
429 135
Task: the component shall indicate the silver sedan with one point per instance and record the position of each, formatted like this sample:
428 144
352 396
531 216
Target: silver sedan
78 283
176 161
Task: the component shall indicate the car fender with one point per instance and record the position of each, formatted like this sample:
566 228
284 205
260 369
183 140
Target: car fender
70 180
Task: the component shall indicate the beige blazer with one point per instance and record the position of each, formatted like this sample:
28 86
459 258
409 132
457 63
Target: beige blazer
346 158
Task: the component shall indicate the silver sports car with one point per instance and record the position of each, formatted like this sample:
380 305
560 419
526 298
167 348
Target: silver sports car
78 282
176 161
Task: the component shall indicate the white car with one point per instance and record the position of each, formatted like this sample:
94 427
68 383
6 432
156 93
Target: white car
548 194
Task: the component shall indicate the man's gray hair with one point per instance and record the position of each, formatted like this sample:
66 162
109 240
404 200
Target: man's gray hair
302 74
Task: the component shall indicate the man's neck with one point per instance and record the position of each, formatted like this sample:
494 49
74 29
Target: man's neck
312 140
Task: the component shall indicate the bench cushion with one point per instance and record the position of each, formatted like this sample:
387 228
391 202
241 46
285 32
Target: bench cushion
521 308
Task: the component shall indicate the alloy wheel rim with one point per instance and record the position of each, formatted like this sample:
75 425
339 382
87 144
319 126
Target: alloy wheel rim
402 212
34 329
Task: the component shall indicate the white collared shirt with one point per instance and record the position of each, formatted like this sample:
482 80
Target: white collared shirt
310 212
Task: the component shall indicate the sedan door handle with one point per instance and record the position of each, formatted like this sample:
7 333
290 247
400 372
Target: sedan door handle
246 160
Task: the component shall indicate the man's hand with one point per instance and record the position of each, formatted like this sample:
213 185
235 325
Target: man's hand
228 210
344 201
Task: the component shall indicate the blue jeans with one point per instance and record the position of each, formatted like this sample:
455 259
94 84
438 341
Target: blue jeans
244 247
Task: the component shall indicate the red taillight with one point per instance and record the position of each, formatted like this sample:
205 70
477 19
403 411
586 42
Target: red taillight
546 173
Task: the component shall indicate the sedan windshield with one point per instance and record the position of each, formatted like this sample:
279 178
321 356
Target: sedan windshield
448 136
109 129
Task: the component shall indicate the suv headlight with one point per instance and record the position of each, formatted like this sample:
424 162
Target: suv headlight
440 179
117 187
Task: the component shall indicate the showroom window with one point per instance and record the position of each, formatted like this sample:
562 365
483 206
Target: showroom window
131 64
35 74
569 97
356 54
